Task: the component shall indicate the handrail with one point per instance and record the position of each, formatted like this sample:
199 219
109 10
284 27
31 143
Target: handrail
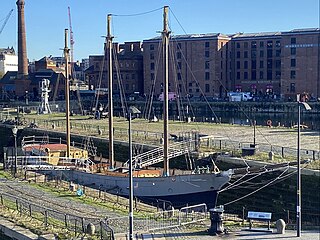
156 155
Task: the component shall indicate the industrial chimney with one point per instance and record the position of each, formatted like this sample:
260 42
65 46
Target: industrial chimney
22 46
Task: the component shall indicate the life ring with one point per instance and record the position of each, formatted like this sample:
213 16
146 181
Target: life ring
269 123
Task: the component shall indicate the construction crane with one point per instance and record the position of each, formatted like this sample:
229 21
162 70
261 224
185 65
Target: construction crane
6 20
71 61
71 37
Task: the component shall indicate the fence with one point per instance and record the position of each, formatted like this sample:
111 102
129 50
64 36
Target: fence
94 129
161 220
45 218
230 145
154 138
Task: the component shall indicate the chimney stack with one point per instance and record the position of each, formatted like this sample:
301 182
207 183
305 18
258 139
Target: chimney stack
22 46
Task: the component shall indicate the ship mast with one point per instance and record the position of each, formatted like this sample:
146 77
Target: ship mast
66 60
110 101
165 43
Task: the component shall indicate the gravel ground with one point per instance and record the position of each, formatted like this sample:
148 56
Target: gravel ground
51 201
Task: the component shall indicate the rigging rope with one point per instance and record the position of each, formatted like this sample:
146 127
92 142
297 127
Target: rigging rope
98 89
221 84
136 14
249 194
279 178
177 21
120 84
148 106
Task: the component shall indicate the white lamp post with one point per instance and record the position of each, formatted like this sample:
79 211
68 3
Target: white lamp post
27 100
132 110
307 107
14 132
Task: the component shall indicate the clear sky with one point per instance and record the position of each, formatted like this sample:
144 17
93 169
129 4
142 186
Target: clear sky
47 19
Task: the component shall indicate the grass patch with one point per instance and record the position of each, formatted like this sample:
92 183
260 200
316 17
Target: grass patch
5 175
62 192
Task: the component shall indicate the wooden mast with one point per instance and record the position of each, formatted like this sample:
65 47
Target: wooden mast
66 60
110 101
165 42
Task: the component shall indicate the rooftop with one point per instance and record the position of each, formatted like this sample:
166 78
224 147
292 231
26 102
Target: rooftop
192 36
8 50
237 36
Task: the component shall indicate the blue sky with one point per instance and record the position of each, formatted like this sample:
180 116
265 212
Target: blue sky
47 19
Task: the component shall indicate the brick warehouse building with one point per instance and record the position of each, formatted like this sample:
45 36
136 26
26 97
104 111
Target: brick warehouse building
300 62
274 65
129 68
277 64
197 65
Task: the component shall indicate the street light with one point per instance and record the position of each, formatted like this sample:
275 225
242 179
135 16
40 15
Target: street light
307 107
14 132
132 110
27 102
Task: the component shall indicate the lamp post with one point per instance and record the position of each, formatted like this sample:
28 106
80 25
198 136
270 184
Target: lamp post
14 132
27 100
254 133
307 107
132 110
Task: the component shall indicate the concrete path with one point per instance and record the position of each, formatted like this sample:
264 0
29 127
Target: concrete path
242 235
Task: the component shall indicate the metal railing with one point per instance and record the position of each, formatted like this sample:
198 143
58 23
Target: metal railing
42 163
156 155
154 138
226 144
46 218
161 220
41 140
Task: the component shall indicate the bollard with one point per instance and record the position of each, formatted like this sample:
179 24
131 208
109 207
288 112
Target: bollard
281 226
91 229
216 215
271 156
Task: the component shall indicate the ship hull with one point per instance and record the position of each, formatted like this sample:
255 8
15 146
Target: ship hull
179 190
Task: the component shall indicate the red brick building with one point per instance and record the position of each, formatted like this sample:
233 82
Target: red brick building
127 66
270 65
197 65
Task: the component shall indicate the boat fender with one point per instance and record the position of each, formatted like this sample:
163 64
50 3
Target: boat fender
228 173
